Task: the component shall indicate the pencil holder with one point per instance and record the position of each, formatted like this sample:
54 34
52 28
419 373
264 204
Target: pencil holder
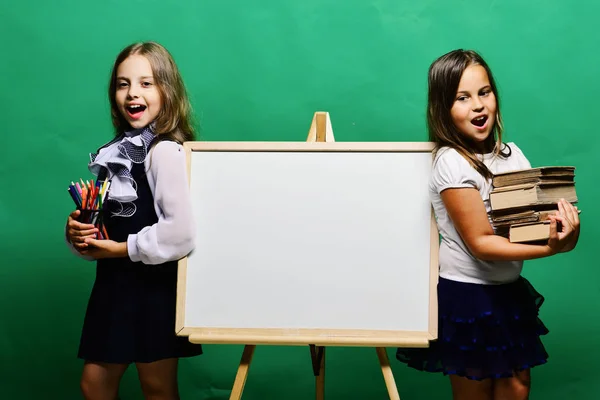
95 217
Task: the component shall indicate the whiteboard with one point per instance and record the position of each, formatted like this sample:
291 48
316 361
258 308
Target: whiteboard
310 243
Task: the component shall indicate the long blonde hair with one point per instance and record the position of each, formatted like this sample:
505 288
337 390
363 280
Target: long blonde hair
444 77
174 119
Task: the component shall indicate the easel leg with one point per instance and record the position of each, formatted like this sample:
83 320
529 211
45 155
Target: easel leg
318 361
388 375
320 379
242 373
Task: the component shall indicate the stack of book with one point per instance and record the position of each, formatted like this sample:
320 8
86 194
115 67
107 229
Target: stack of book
521 201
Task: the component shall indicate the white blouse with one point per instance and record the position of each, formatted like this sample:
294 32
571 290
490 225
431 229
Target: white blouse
173 236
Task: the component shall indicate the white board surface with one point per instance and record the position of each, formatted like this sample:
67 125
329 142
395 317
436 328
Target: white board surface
299 239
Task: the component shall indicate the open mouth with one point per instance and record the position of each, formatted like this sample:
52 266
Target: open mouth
479 121
135 110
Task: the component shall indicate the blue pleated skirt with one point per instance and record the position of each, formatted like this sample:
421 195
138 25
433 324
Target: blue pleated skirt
484 331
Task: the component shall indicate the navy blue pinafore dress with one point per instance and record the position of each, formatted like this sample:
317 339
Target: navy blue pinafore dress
131 311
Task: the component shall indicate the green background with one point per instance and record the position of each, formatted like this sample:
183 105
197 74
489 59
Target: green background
258 70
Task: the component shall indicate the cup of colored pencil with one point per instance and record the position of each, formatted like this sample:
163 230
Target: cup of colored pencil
89 199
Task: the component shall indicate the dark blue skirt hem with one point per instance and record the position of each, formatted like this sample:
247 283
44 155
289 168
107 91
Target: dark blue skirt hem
465 374
198 351
484 331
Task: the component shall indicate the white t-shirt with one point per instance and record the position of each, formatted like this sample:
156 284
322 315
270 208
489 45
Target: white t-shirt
451 170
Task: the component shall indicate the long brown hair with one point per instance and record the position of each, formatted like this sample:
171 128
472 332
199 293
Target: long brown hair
174 119
444 76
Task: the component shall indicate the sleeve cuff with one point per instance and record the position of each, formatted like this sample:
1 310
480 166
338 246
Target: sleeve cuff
462 185
132 248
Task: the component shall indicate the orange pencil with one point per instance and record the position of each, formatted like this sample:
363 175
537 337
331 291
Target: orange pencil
93 198
84 193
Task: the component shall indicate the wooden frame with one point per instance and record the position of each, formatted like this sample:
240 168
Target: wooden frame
373 338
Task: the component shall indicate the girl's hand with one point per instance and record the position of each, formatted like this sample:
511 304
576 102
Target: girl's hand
78 232
565 239
105 248
572 214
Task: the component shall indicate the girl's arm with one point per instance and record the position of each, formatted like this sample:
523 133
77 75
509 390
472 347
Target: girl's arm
173 236
468 213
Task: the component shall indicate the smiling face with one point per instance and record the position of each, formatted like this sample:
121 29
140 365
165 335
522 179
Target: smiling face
136 94
474 109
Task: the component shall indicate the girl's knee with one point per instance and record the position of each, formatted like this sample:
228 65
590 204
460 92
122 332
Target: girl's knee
159 380
159 387
522 384
87 388
101 382
517 387
93 388
516 390
467 389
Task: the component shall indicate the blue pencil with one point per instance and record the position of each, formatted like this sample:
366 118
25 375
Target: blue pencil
75 196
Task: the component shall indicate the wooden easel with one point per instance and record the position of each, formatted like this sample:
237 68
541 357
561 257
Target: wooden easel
320 131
